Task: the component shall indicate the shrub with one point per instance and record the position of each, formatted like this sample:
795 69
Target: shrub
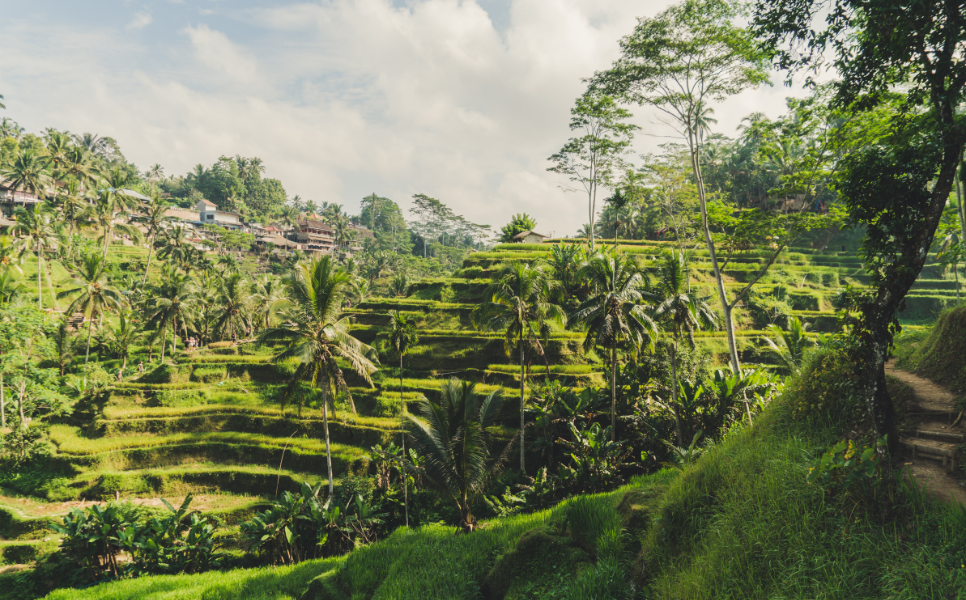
824 388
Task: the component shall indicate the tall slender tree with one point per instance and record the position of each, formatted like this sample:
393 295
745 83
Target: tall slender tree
314 332
95 295
36 227
679 311
679 62
617 314
520 304
591 160
154 220
402 337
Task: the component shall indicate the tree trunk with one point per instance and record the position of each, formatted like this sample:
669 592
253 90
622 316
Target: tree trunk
523 469
613 393
50 286
3 404
164 340
402 417
896 281
709 241
107 242
325 427
962 222
148 267
90 328
70 240
20 395
174 337
675 394
40 265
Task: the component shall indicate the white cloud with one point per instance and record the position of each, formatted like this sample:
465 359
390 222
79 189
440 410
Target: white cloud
347 97
140 20
223 59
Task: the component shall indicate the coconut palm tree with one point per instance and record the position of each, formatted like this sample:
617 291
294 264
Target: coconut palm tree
453 438
789 346
234 306
72 204
153 220
10 128
81 164
122 337
95 294
172 305
175 246
155 173
37 229
28 173
680 311
110 207
617 313
520 305
565 261
11 284
314 332
402 336
64 345
268 296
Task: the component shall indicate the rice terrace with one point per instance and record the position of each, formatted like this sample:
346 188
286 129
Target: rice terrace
699 333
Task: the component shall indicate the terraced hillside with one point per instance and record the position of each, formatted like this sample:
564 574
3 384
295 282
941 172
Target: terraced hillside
211 424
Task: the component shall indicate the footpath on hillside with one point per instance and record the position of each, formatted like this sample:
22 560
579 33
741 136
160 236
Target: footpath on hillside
932 439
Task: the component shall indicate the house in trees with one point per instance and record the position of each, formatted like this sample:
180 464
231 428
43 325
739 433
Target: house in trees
529 237
209 214
11 200
313 235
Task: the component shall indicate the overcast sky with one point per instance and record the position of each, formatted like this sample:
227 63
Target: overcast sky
460 100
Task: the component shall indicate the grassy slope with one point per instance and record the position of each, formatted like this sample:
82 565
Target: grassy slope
939 353
741 523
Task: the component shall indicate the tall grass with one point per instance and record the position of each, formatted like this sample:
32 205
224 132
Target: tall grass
268 583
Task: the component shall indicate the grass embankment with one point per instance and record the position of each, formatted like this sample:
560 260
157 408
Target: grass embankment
741 523
938 353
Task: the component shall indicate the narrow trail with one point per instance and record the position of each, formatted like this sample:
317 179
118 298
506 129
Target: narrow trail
933 437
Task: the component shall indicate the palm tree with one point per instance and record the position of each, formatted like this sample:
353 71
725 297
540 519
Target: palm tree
453 438
81 164
172 303
58 150
93 143
315 333
268 296
155 173
122 337
234 306
64 345
10 128
791 345
402 336
204 296
37 229
616 314
682 312
175 246
565 261
519 304
153 220
28 173
72 205
105 212
96 296
11 285
289 215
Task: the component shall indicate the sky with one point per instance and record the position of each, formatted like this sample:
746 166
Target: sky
460 100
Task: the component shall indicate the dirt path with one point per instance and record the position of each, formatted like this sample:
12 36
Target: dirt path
931 442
